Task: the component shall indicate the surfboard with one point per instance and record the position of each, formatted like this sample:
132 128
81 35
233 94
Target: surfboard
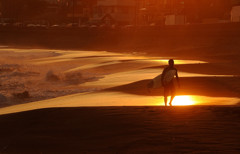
157 81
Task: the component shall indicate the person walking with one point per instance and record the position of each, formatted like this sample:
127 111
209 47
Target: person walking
167 81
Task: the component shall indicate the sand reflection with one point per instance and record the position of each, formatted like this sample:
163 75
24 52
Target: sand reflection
177 62
100 70
183 101
186 100
117 99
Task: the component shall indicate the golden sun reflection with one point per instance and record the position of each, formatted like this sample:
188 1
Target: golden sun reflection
183 101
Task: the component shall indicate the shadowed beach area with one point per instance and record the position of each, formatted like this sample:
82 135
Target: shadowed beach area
192 129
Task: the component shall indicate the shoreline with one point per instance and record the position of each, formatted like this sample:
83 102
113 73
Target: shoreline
212 86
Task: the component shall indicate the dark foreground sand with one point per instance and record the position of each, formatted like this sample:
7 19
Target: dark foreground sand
193 129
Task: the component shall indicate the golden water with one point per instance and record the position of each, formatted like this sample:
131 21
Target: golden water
115 69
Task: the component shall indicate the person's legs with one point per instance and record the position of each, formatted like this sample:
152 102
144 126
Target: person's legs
166 91
165 100
173 93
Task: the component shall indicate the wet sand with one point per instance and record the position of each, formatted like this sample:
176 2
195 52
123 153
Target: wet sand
49 74
193 129
211 86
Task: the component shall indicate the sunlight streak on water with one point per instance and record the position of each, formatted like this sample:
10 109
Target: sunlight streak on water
183 100
186 100
116 99
180 61
115 69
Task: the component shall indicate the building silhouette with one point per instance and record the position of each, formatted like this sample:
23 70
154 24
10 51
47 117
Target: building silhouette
122 12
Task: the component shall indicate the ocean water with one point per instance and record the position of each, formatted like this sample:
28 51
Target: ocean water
81 78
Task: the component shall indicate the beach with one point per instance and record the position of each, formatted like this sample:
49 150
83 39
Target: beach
192 129
73 91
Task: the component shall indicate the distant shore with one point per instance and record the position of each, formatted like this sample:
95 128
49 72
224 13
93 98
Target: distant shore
193 41
193 129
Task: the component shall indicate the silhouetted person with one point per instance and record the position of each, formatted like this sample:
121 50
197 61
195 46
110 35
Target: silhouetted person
168 75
